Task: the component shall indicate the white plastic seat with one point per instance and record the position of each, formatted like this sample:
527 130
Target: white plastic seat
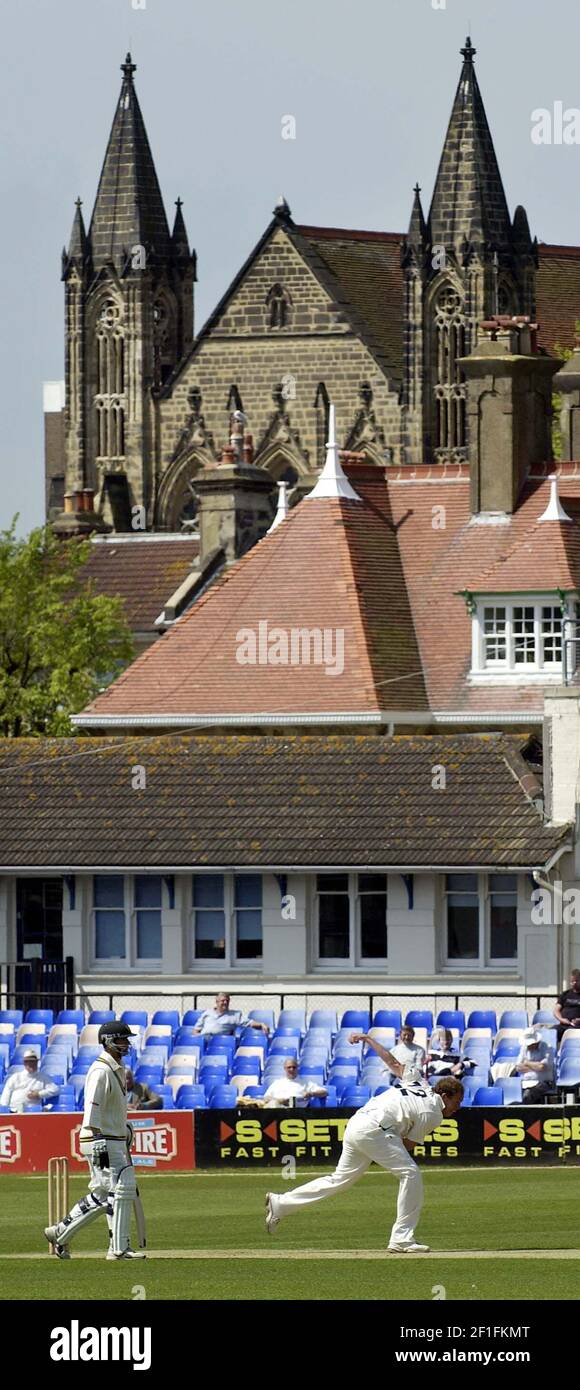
64 1030
89 1035
39 1028
177 1080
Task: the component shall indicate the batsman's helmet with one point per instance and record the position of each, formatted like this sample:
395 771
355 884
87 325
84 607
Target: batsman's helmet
114 1032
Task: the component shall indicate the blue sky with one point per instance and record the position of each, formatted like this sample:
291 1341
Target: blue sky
370 86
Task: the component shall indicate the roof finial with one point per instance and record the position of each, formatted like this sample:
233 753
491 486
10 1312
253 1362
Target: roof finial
128 68
469 51
417 189
333 481
79 203
554 510
282 210
179 203
282 509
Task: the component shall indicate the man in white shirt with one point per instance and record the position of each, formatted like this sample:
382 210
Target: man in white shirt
104 1141
222 1020
535 1066
290 1089
29 1086
383 1131
409 1052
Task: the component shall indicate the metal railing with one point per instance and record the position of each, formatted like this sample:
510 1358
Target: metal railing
38 984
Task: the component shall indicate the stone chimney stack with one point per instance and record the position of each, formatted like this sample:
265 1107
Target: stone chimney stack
509 409
235 505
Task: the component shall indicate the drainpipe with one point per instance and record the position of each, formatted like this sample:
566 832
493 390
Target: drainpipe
562 942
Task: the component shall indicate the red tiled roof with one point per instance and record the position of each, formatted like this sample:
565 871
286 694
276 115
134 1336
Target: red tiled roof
558 295
332 564
141 571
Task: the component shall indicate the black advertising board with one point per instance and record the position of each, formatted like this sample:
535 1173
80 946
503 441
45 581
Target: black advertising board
510 1135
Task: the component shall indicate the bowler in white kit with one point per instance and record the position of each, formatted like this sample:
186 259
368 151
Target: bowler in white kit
383 1131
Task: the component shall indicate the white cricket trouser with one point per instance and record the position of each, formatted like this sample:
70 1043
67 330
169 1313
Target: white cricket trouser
111 1190
365 1143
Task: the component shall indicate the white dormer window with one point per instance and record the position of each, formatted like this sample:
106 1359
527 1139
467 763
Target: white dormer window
519 637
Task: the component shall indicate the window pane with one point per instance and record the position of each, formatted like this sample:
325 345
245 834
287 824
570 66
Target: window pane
372 883
210 935
503 883
503 944
110 935
332 883
462 883
149 935
462 927
494 634
249 934
108 890
551 636
373 925
248 890
148 890
334 924
208 890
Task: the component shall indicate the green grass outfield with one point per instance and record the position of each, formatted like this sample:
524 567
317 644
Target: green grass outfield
495 1234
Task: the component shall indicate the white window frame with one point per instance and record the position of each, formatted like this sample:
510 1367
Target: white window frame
484 670
131 961
484 960
231 959
354 960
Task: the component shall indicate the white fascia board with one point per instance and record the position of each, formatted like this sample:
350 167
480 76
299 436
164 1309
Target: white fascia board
283 868
186 721
488 717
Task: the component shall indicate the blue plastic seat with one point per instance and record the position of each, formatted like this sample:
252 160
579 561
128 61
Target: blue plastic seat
507 1048
191 1017
488 1095
40 1016
246 1066
263 1016
102 1016
191 1098
255 1091
452 1018
384 1086
514 1018
314 1073
512 1090
287 1030
28 1038
284 1047
169 1016
331 1100
569 1071
225 1044
359 1019
471 1085
294 1018
483 1018
215 1061
75 1016
324 1018
150 1075
420 1018
136 1018
14 1016
165 1094
223 1098
356 1095
388 1018
545 1016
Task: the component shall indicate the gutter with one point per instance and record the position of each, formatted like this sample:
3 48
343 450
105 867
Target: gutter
278 868
193 721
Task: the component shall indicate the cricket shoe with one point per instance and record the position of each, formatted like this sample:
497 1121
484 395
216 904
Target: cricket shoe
412 1248
62 1252
127 1254
272 1218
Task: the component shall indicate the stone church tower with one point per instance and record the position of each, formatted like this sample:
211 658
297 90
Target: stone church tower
468 260
128 322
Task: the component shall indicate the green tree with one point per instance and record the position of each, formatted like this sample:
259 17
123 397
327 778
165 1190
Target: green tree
60 642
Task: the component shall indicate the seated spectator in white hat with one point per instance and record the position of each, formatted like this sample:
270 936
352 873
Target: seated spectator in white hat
29 1086
535 1066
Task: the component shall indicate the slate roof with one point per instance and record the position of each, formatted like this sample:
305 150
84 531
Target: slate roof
277 803
143 572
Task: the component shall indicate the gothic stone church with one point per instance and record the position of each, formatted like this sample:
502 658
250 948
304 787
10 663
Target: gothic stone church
375 322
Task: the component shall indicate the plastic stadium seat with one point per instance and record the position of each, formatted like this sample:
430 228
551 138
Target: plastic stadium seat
246 1066
177 1079
45 1016
256 1091
151 1075
225 1045
508 1048
512 1090
470 1086
514 1018
18 1054
56 1076
451 1018
89 1035
223 1098
356 1095
169 1016
216 1061
286 1030
420 1018
388 1018
101 1016
358 1019
136 1018
284 1047
191 1017
8 1033
241 1081
483 1018
331 1099
188 1098
384 1086
64 1030
488 1095
571 1038
311 1073
76 1016
163 1032
385 1036
324 1018
14 1016
569 1072
545 1016
295 1018
479 1036
23 1036
263 1016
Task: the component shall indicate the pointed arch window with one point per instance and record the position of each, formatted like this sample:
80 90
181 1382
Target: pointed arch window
110 398
450 338
279 304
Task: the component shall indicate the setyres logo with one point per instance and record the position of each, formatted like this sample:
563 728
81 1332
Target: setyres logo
555 1137
154 1142
308 1137
10 1144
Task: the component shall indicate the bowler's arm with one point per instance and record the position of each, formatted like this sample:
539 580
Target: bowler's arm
387 1057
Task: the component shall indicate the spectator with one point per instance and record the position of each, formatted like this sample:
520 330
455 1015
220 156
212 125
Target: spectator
443 1060
567 1010
140 1096
535 1065
409 1053
221 1019
29 1086
289 1089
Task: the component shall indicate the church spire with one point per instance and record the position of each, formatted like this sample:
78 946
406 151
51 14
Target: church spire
78 247
417 233
128 209
469 203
